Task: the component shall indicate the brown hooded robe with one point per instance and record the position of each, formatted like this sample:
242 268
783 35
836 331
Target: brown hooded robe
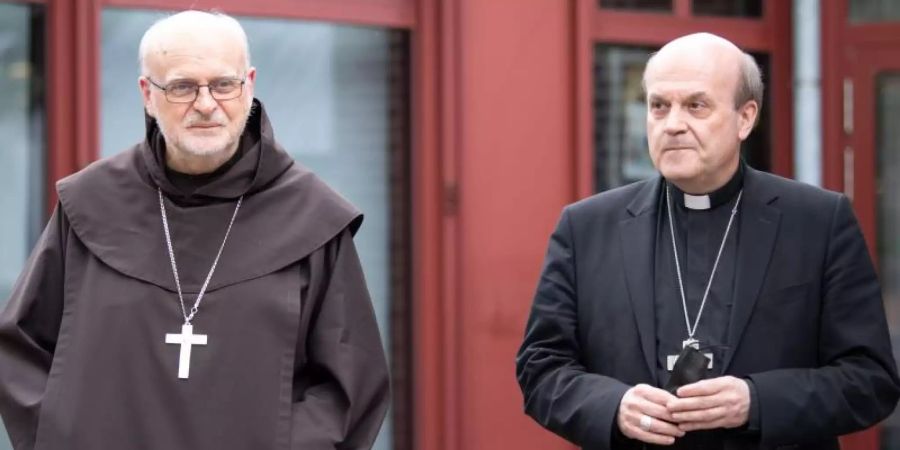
293 359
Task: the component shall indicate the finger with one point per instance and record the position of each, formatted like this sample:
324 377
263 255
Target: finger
694 426
654 410
702 415
662 427
657 395
656 439
693 403
702 387
652 438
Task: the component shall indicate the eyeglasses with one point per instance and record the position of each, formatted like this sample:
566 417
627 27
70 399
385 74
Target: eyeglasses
186 91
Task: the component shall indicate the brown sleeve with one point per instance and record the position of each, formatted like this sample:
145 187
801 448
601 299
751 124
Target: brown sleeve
29 326
341 389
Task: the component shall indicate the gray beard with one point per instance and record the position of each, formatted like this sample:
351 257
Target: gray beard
189 150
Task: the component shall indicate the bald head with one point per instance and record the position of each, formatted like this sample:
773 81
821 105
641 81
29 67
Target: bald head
703 98
709 53
215 31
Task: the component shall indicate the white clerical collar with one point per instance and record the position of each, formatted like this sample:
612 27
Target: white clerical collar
696 201
714 199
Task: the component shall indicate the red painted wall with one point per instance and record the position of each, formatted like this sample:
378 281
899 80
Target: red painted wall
516 171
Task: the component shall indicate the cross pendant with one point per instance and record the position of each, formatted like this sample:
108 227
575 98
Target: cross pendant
689 342
186 339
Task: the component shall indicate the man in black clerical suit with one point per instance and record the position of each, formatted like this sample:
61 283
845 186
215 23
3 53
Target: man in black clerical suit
714 306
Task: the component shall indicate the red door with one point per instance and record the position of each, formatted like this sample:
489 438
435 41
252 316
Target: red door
871 167
862 156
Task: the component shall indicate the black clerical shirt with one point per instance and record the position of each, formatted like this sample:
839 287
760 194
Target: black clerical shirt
698 236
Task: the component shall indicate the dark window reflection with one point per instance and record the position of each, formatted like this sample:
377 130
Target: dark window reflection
728 8
874 11
639 5
22 122
22 127
757 149
620 140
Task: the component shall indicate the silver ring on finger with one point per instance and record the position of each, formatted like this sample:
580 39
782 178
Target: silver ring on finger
646 422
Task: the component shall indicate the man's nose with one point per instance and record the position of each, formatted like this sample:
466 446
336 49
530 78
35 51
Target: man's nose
675 123
205 103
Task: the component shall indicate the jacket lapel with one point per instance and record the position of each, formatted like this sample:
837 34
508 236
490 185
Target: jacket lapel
758 230
637 251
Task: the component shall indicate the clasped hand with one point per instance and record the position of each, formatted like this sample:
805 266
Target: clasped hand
722 402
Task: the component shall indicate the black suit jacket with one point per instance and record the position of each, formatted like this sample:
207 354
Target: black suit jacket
807 325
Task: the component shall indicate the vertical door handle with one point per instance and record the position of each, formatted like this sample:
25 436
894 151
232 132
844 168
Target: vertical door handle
848 172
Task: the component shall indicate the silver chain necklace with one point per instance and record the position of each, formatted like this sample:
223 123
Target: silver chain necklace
687 321
162 209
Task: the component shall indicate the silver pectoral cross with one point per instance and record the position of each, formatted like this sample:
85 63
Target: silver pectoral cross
690 342
186 339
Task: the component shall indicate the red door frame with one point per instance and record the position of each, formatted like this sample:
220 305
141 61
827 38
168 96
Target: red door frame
436 136
770 34
72 91
382 13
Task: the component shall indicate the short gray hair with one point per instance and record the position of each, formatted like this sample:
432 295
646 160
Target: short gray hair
750 86
190 18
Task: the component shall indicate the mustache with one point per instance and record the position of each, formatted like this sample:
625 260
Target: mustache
197 119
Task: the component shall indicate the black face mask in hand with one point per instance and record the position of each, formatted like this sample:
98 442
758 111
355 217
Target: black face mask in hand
690 367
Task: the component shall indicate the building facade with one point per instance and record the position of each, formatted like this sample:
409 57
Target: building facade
461 128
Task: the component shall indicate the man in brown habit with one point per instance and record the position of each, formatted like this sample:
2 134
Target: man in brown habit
200 290
713 306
